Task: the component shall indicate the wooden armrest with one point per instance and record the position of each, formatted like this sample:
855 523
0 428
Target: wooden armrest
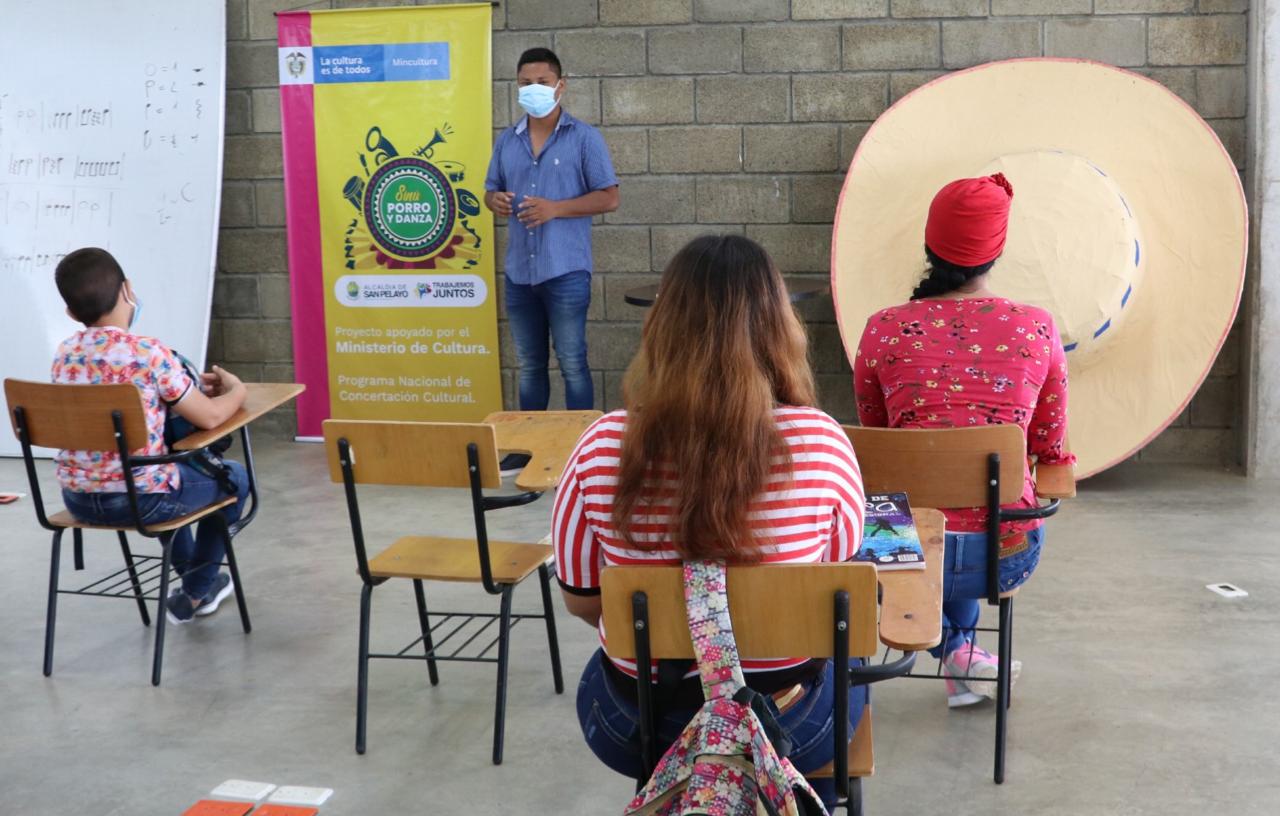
911 602
1055 481
261 398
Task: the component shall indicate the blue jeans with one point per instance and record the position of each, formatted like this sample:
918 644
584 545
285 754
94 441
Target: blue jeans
964 582
610 723
197 560
557 307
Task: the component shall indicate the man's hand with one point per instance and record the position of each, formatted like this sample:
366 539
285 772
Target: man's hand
534 211
500 203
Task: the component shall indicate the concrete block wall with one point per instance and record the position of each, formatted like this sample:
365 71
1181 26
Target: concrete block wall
730 115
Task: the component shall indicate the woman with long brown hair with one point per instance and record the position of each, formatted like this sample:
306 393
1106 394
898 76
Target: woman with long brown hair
719 454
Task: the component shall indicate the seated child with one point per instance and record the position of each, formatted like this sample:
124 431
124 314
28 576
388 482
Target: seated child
98 295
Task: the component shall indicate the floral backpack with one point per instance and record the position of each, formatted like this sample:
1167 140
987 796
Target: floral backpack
723 764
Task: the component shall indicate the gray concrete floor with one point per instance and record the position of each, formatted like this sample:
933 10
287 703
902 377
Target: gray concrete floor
1142 692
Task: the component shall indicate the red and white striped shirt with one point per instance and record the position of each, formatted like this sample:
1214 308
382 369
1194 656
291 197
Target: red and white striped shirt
811 511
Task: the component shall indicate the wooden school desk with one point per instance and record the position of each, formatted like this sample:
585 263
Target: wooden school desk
911 604
547 436
262 399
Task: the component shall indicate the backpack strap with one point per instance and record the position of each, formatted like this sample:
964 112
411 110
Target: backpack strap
706 602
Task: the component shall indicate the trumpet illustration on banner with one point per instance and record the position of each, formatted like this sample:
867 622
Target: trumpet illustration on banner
429 149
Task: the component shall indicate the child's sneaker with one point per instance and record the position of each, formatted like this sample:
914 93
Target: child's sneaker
979 669
222 587
959 695
178 608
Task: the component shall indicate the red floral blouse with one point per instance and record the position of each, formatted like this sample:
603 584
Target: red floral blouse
973 361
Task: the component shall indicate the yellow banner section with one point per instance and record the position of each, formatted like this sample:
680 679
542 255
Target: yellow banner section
403 128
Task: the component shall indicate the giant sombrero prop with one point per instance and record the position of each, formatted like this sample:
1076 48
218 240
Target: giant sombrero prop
1128 224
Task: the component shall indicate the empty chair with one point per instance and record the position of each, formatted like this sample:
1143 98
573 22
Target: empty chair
440 454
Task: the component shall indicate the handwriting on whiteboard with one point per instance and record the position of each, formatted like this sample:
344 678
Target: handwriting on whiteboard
64 176
110 136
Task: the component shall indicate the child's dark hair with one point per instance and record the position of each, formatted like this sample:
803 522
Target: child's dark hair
89 280
945 276
540 55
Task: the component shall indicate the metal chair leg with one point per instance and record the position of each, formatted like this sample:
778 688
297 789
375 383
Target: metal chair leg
504 643
362 672
51 610
553 643
133 578
1002 689
77 542
424 621
235 575
166 549
1008 697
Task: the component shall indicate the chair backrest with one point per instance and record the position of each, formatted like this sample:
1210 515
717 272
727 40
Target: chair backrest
945 467
426 454
782 610
77 417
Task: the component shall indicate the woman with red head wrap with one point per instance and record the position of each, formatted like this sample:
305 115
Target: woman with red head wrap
958 355
965 233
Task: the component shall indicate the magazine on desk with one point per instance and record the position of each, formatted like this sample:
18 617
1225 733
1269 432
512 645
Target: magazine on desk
889 537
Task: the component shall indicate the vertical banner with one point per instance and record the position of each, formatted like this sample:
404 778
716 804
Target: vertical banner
387 128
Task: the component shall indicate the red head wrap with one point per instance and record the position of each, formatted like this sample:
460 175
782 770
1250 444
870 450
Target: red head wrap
968 220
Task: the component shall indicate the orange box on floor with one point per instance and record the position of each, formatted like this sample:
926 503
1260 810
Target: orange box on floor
208 807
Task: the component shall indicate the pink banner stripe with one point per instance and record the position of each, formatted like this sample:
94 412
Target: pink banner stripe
302 216
294 28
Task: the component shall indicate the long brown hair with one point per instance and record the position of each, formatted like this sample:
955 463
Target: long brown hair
721 348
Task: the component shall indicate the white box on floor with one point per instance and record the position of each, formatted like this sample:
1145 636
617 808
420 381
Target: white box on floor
295 795
242 790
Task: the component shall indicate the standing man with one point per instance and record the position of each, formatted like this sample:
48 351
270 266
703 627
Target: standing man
549 175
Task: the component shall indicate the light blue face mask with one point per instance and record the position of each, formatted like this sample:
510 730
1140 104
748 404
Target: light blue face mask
538 100
136 303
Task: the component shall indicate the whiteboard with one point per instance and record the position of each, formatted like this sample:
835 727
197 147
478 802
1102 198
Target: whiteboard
111 118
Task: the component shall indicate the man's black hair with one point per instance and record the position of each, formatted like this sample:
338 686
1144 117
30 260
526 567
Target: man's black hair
89 280
540 55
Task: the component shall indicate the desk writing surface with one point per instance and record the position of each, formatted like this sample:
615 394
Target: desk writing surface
262 398
547 436
911 607
1055 481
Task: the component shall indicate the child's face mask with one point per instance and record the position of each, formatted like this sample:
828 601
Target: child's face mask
136 303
